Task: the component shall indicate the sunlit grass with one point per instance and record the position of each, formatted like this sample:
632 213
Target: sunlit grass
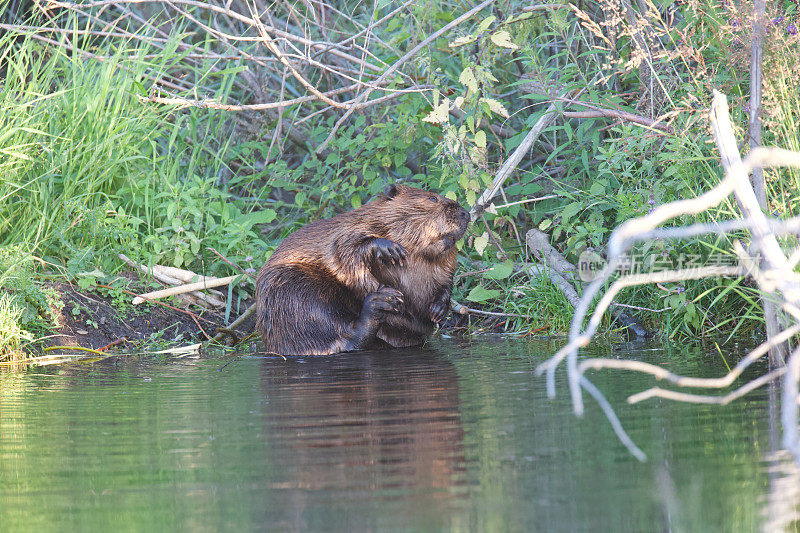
11 333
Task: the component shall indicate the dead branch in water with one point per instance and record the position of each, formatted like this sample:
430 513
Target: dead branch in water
772 270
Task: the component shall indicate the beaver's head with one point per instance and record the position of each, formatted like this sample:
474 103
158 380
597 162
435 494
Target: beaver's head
423 221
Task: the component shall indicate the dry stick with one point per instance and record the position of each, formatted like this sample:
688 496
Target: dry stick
552 7
539 244
208 283
748 203
277 136
345 44
614 113
408 55
777 355
622 435
236 323
154 41
197 323
164 277
622 115
779 227
754 126
503 256
463 310
618 244
583 338
272 47
112 344
211 104
367 36
180 46
640 38
685 381
223 37
493 208
657 392
231 263
558 279
369 103
751 207
74 31
378 22
513 160
791 437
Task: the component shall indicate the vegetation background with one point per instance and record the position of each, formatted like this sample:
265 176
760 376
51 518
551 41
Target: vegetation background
165 130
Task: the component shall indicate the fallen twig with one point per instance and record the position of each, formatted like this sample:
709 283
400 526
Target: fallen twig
208 283
163 274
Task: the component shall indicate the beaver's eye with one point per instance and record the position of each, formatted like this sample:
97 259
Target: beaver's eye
434 199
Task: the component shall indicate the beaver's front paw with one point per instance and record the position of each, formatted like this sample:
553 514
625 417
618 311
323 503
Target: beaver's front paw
384 300
388 252
438 310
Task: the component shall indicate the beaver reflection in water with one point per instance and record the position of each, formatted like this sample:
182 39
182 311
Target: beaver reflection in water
377 277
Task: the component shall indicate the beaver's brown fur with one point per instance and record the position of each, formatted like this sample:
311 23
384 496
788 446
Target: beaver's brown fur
380 275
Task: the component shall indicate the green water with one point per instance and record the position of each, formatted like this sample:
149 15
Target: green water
459 436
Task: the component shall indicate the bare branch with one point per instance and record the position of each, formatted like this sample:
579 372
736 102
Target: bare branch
773 274
621 115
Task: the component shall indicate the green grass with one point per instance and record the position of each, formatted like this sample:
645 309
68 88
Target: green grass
11 332
88 171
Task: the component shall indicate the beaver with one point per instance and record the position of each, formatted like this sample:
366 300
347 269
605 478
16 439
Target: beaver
376 277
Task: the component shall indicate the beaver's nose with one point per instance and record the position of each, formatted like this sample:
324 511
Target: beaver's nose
463 214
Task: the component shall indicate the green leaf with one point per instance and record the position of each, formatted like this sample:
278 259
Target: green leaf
471 197
480 139
259 217
501 271
597 189
439 114
569 211
468 79
503 39
485 23
496 107
230 70
481 294
481 242
585 161
461 41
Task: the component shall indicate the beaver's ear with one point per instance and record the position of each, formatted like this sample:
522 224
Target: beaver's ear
391 191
